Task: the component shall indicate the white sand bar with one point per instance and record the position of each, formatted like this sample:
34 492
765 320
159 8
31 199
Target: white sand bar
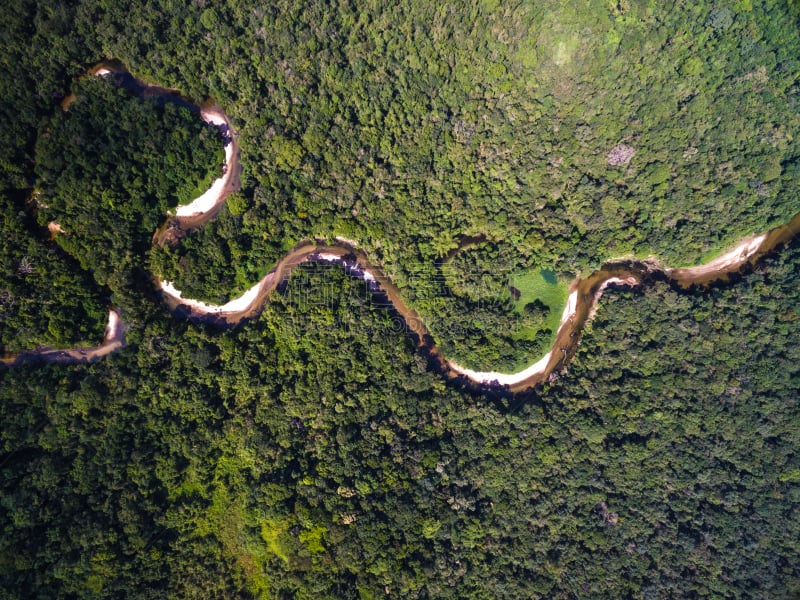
239 304
114 329
570 308
347 241
503 378
217 192
734 257
536 368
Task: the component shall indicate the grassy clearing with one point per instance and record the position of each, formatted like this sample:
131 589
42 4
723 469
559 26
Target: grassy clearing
542 288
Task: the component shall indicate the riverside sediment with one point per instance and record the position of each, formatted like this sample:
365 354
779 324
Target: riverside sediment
584 293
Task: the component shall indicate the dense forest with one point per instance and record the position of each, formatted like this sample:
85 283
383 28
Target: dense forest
498 121
45 298
294 458
483 155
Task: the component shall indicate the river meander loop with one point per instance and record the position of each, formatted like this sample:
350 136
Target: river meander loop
584 293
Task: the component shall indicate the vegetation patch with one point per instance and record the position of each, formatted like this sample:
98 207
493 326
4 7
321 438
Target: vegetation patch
312 452
539 298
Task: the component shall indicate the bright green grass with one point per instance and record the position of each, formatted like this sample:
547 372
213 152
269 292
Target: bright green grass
542 285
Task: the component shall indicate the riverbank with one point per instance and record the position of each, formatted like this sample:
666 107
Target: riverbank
584 294
113 340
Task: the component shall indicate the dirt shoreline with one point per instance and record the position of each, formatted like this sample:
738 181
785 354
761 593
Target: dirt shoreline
584 294
54 229
113 340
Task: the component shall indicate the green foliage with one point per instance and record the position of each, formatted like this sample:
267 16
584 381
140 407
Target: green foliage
284 468
540 293
405 127
111 166
312 453
45 299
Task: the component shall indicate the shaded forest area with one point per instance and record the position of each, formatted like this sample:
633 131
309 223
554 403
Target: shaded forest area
45 298
312 453
110 167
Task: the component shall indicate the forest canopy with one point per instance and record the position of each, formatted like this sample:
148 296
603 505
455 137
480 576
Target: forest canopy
109 167
483 155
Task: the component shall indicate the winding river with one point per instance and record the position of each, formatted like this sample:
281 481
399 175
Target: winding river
584 293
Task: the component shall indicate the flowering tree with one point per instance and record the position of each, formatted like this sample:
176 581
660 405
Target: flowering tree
621 154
